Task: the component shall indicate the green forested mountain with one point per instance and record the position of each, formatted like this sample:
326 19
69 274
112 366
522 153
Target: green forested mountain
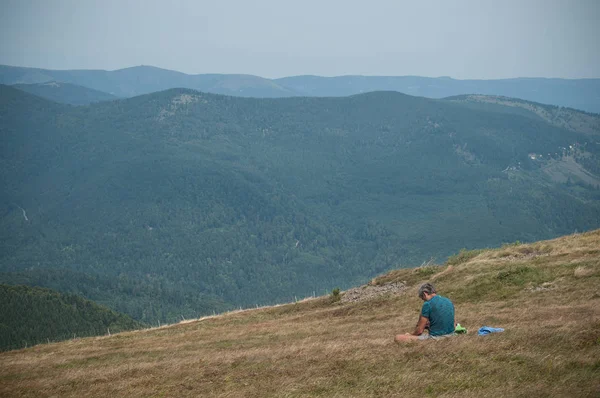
66 93
32 315
568 118
129 82
177 203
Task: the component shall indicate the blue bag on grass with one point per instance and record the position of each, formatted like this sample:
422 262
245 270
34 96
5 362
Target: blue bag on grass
485 330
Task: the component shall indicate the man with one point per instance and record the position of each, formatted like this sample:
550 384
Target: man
437 311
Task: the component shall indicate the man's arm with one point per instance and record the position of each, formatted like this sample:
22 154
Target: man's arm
420 326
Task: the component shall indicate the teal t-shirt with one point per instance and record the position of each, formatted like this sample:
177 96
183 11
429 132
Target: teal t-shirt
440 312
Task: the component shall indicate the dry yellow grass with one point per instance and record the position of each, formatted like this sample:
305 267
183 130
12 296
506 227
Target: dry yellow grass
551 346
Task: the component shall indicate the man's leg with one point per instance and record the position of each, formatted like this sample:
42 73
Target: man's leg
401 338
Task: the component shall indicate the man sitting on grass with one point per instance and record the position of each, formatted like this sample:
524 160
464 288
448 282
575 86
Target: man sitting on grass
437 311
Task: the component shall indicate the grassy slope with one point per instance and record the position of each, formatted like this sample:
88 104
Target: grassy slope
545 294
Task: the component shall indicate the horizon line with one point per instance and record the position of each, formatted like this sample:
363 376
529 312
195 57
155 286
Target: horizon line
299 75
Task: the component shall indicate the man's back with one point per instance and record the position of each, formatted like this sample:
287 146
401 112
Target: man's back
440 312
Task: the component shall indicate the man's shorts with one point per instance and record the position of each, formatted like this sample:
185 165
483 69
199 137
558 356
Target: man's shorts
428 337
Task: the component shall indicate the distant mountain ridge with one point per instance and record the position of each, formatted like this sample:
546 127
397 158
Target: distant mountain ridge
66 93
138 80
583 94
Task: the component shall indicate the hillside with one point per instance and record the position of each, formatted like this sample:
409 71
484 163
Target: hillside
568 118
129 82
544 294
138 80
182 203
31 315
65 93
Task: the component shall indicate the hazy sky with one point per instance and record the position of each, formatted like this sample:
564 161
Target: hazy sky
274 38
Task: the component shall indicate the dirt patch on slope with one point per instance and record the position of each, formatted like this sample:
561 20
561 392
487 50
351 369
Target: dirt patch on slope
367 292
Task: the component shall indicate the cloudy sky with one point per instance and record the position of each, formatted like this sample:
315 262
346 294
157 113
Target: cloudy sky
480 39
